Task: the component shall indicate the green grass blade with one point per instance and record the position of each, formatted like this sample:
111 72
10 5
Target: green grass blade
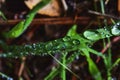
117 62
16 31
5 76
52 74
64 66
3 16
40 5
94 71
63 69
72 31
23 25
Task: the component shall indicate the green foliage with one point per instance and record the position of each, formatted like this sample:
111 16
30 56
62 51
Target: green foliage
16 31
116 29
92 66
79 44
94 70
71 42
68 43
23 25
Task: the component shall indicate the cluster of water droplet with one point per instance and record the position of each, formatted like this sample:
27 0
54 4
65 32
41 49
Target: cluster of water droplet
3 76
56 46
101 33
51 46
116 29
104 32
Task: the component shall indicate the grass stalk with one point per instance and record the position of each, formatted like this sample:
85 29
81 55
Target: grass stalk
63 70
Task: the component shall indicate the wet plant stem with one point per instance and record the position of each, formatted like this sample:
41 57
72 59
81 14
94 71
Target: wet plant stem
63 70
105 21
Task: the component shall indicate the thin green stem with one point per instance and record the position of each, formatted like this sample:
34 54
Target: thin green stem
96 9
52 74
3 16
116 63
102 6
105 21
63 70
109 61
63 65
108 65
5 76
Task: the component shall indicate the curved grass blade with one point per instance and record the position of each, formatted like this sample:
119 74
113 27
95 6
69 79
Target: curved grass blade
5 76
94 71
117 62
101 33
72 31
16 31
52 74
64 66
3 16
23 25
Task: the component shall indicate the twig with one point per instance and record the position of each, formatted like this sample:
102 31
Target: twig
105 15
61 20
25 75
21 67
53 21
107 46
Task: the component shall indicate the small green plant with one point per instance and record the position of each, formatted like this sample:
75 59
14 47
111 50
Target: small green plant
71 42
79 44
23 25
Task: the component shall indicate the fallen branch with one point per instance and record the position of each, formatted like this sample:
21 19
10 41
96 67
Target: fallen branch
53 21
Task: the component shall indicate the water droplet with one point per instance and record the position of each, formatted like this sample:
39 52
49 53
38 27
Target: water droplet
61 46
118 24
10 54
107 35
105 28
76 67
27 47
89 45
77 57
115 30
49 46
67 38
4 55
102 33
9 78
92 35
41 46
42 54
3 76
13 33
32 54
33 45
55 40
16 57
114 78
76 42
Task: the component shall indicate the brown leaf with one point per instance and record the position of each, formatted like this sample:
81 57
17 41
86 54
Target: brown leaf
52 9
